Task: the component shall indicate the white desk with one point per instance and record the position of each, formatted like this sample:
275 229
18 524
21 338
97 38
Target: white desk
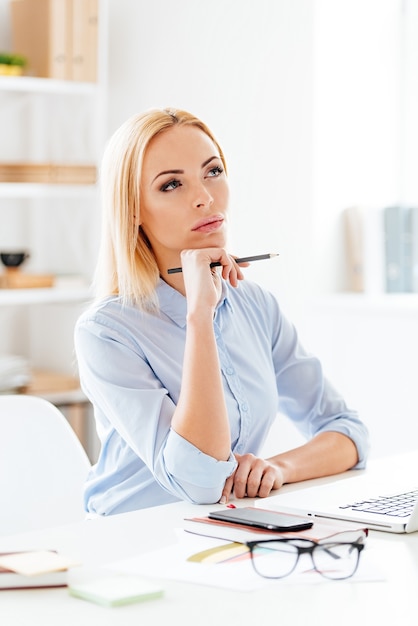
99 541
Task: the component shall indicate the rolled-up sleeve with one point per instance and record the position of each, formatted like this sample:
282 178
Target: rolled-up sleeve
201 476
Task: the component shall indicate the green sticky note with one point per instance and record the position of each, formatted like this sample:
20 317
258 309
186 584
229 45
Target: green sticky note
116 590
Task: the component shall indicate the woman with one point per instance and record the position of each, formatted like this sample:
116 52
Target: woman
187 371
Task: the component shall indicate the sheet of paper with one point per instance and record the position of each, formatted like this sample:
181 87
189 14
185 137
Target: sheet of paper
36 562
228 568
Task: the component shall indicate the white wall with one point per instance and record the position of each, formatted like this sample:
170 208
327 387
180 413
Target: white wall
357 119
410 105
304 96
365 137
246 69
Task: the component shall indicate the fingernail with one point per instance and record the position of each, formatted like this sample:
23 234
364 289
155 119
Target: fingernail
222 500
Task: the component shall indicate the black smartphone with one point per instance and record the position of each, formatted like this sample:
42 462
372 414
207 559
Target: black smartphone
260 518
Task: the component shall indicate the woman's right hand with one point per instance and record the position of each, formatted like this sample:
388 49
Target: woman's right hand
203 283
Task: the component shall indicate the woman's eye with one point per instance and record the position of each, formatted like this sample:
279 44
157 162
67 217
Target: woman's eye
172 184
215 171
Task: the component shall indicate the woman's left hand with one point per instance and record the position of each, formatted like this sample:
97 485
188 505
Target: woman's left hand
253 477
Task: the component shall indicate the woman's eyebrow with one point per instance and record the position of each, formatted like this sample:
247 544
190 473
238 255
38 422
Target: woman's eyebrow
168 172
182 171
209 160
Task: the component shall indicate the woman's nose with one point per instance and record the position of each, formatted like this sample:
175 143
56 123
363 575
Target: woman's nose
201 197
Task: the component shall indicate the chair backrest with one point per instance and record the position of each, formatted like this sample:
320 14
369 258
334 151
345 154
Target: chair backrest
43 466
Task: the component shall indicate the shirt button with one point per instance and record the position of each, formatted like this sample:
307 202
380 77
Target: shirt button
230 370
244 407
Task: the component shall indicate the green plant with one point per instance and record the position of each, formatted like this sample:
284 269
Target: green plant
7 58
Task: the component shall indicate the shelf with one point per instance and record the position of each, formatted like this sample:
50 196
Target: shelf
39 190
30 84
54 295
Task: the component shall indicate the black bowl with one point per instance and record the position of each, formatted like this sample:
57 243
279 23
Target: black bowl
13 259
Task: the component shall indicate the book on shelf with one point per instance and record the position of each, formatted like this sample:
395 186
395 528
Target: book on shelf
414 248
398 249
40 32
48 173
84 33
43 382
364 249
14 373
16 279
381 249
354 242
58 37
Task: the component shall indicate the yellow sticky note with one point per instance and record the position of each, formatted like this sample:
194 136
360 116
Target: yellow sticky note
37 562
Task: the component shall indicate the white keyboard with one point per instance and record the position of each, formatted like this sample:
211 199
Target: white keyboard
398 505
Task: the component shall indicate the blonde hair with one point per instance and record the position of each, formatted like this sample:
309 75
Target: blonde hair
126 264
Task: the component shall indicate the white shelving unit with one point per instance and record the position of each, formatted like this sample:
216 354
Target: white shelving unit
38 190
29 84
34 105
54 295
51 121
43 193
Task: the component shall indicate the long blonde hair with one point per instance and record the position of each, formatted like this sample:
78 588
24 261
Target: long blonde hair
126 264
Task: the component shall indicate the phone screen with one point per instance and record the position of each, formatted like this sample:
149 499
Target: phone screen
261 518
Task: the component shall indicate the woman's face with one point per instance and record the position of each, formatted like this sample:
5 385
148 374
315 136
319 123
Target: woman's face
184 194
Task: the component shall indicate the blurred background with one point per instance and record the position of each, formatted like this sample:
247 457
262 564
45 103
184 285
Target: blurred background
315 105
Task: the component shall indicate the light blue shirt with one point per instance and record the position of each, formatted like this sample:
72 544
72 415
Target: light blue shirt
130 364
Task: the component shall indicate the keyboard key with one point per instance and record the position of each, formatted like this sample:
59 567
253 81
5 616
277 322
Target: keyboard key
397 505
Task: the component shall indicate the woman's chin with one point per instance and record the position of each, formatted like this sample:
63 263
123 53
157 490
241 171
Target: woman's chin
213 240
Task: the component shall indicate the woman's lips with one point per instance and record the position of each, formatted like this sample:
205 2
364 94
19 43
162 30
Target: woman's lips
209 224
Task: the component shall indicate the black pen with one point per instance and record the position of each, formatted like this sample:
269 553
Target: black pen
244 259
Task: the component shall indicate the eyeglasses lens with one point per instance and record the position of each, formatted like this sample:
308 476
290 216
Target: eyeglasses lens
336 560
274 559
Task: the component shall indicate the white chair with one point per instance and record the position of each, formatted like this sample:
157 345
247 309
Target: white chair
43 466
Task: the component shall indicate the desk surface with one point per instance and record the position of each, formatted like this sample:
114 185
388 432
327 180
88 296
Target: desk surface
103 540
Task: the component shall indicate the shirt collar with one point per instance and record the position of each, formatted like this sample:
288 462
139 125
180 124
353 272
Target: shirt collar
174 305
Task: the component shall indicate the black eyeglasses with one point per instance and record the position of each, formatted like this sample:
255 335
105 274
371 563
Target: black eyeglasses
336 557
